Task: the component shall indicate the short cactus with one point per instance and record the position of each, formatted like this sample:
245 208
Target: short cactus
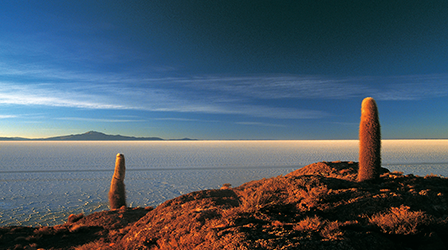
117 193
369 141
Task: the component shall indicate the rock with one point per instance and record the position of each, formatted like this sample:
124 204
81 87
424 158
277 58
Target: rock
320 206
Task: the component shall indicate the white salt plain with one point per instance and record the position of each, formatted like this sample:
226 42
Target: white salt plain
41 183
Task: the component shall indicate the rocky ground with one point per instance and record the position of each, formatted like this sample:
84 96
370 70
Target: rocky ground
320 206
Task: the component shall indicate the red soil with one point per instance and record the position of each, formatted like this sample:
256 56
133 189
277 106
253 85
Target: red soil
320 206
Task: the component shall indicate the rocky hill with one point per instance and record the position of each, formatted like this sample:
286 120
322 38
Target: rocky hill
88 136
98 136
320 206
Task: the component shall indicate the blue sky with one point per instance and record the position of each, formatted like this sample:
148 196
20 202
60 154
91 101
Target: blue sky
223 69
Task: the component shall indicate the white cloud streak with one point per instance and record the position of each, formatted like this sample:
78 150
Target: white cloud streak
8 116
177 119
260 124
42 95
98 120
316 87
242 95
278 87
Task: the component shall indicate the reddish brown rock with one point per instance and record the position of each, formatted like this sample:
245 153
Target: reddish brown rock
320 206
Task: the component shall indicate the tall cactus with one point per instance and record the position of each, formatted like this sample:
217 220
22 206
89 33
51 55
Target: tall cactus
369 141
117 193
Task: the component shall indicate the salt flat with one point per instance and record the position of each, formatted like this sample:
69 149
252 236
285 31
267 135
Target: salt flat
41 183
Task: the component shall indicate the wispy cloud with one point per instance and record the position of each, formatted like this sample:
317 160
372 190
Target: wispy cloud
322 87
346 123
98 119
34 73
42 95
260 124
277 112
8 116
412 87
120 97
249 95
177 119
278 86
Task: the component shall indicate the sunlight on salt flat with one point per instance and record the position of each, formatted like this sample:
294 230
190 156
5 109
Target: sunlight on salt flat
26 156
171 154
415 151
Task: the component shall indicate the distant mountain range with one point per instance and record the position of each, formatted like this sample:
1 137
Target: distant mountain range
89 136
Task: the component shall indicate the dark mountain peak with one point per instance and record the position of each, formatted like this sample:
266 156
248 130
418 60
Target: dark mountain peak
93 133
90 136
99 136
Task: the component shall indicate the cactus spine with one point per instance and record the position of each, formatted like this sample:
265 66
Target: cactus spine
369 141
117 193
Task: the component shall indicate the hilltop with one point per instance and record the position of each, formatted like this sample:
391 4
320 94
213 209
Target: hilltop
98 136
320 206
88 136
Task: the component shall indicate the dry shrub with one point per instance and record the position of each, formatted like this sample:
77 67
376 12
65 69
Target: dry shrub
305 193
193 240
309 193
310 224
44 230
272 192
77 227
431 175
400 220
168 244
98 245
72 218
332 231
313 197
329 230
